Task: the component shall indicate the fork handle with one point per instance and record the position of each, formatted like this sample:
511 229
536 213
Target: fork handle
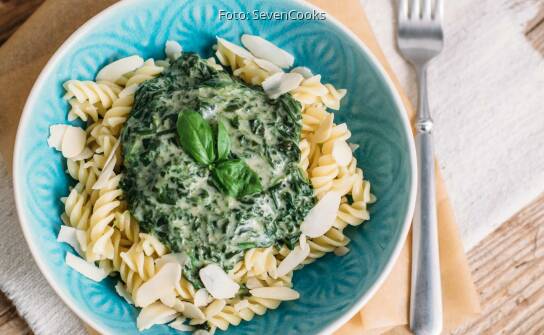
426 293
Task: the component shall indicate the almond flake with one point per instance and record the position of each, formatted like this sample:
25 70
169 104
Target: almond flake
322 216
264 49
113 71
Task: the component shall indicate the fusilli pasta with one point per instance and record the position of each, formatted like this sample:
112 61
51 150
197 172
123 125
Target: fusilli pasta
113 237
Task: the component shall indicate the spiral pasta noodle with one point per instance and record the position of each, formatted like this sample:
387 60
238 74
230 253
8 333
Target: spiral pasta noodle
127 225
77 208
113 236
118 114
84 173
92 92
82 110
251 73
319 246
146 72
100 231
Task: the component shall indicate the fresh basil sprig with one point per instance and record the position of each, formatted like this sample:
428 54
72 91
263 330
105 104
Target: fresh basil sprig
235 178
196 137
231 176
223 142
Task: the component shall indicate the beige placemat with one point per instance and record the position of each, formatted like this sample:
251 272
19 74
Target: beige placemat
26 52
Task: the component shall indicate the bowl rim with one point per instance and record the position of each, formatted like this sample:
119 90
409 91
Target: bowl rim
89 24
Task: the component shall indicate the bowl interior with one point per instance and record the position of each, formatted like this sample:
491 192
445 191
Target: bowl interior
330 287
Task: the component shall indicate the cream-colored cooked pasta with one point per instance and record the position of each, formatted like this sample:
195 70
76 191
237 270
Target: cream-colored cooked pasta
310 91
113 236
82 110
85 173
305 149
322 245
251 73
127 225
230 316
116 116
138 261
323 175
228 58
148 71
100 231
92 92
77 208
333 97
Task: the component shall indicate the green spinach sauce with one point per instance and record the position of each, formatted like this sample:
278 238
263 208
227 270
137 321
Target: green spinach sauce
174 198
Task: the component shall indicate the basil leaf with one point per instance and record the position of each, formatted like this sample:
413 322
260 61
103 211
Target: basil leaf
196 137
235 178
223 142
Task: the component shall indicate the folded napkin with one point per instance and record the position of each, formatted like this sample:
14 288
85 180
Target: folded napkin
25 54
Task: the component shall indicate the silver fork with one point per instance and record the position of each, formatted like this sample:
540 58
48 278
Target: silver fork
420 39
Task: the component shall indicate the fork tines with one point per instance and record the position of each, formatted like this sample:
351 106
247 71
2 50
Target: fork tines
421 10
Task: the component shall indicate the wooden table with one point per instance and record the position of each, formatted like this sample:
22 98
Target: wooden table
508 266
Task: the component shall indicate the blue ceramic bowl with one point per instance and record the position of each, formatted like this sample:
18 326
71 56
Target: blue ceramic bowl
332 289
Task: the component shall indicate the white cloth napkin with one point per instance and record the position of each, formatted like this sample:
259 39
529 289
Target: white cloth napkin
486 91
486 99
20 278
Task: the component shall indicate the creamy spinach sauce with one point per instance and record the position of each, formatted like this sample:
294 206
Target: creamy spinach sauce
174 197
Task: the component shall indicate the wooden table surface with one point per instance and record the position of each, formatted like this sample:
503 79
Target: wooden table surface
508 265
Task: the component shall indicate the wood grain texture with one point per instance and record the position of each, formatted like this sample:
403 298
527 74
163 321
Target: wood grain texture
13 13
508 266
508 269
10 322
535 31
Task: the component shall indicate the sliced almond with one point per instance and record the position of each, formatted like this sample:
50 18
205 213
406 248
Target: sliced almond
107 171
322 216
173 50
169 299
113 71
353 146
281 83
293 259
122 291
341 152
56 133
304 71
215 308
253 282
201 298
264 49
82 239
69 235
303 242
273 82
87 269
154 314
217 282
276 293
179 258
267 66
105 175
158 286
73 141
85 154
179 325
235 49
192 312
221 58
